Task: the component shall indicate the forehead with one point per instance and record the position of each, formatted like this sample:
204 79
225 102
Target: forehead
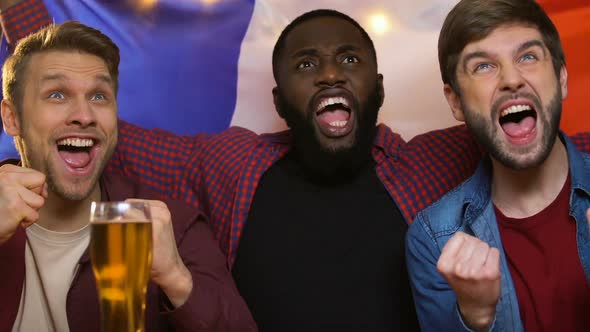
324 33
506 37
68 64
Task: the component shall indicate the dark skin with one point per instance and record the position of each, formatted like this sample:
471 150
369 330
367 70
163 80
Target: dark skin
327 57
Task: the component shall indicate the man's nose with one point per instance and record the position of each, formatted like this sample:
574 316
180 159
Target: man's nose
511 78
330 74
82 113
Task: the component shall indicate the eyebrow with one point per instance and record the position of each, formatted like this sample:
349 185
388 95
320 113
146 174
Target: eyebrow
532 43
483 54
102 78
314 52
473 55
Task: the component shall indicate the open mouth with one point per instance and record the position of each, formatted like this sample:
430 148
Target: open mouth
77 153
518 121
334 116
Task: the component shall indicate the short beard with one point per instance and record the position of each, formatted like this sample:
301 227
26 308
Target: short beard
53 185
328 165
72 195
485 133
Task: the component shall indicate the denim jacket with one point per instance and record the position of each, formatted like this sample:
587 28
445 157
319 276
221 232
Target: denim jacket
469 208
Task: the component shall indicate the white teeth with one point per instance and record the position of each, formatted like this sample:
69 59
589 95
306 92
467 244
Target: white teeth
77 142
339 124
515 109
332 101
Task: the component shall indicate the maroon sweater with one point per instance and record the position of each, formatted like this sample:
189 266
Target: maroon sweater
213 305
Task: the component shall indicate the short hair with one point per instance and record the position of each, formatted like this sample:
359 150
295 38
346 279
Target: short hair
70 35
280 44
474 20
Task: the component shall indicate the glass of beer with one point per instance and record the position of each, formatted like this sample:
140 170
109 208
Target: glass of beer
121 254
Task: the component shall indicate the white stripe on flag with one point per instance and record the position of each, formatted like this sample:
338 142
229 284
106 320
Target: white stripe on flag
407 55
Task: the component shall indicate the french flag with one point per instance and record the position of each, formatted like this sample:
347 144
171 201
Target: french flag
191 66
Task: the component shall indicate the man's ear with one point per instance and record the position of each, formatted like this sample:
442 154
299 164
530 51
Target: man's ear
563 81
454 101
9 118
275 99
380 89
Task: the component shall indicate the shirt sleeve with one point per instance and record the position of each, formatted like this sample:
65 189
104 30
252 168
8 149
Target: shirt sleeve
437 162
214 303
436 303
22 19
157 158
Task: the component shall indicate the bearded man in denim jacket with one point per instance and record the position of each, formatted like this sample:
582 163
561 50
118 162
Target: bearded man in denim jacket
509 249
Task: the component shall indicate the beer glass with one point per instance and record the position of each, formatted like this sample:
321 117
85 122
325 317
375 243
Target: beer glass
121 254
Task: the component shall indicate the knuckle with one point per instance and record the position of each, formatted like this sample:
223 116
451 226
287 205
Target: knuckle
441 266
474 273
42 177
31 215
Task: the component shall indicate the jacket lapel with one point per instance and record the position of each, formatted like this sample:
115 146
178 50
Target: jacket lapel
12 270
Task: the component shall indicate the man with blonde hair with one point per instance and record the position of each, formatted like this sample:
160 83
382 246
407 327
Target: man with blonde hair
59 104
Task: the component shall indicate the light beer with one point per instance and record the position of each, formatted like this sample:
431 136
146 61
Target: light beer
121 253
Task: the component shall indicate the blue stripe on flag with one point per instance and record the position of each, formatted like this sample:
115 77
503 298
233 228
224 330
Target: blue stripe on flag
179 59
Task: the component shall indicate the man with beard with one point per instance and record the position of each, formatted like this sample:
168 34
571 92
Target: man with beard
509 249
60 106
313 219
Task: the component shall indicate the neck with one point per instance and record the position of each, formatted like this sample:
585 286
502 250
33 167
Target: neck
332 169
524 193
62 215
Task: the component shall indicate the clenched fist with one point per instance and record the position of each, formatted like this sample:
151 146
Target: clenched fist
472 269
22 193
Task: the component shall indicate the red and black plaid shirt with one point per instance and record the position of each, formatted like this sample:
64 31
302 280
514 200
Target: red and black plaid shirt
220 172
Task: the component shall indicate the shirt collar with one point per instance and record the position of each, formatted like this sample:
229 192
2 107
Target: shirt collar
479 188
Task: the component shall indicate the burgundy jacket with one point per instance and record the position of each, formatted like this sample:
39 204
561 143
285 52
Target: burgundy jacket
213 305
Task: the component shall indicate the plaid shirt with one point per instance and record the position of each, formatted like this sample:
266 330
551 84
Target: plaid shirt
22 19
220 173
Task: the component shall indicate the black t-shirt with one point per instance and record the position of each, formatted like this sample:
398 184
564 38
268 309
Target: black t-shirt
318 257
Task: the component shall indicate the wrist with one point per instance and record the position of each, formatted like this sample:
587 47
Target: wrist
177 285
478 319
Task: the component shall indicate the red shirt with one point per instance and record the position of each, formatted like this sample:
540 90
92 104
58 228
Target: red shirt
542 253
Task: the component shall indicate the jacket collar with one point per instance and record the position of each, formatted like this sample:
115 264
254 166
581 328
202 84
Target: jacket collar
479 189
579 162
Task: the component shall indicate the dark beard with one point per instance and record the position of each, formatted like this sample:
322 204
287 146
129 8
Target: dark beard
484 132
325 165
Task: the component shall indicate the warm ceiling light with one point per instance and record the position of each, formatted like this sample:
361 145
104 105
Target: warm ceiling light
143 5
209 2
379 23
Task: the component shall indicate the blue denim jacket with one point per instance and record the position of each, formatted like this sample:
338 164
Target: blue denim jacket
468 208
